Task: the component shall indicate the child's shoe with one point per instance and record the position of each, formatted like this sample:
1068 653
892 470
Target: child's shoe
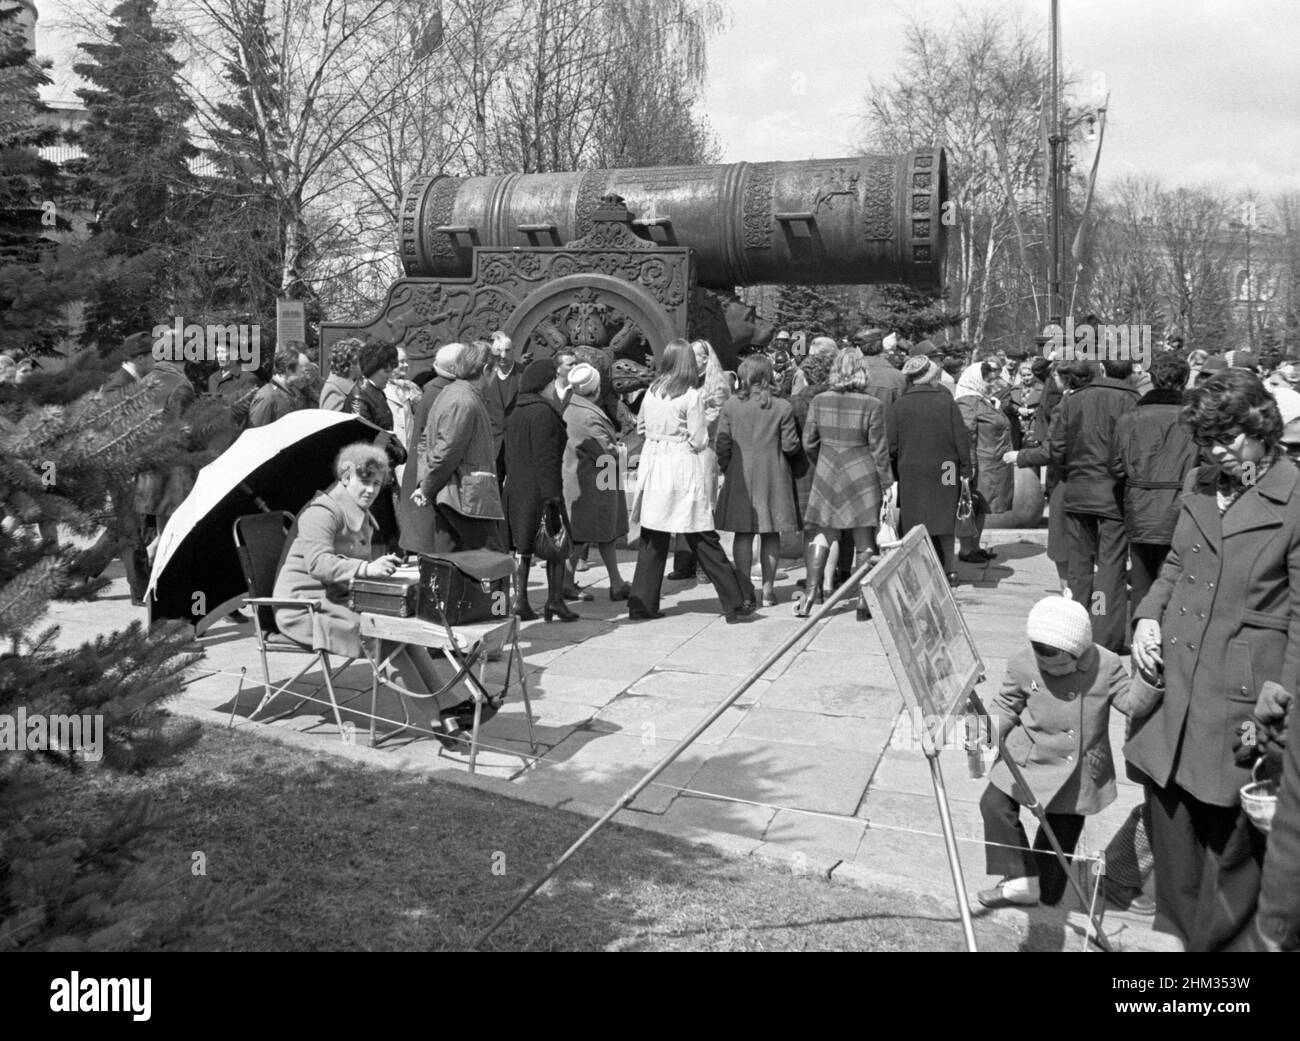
1011 892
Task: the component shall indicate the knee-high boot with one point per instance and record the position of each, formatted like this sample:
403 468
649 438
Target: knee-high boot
520 605
555 605
815 561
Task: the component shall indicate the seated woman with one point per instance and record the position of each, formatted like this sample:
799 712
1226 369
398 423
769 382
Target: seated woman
328 546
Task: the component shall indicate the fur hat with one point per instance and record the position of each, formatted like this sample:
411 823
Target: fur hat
1060 622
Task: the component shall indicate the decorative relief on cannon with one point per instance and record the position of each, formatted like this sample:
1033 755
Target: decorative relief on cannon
438 214
878 194
756 210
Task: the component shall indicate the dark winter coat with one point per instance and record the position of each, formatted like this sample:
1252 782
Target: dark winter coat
368 401
931 451
990 432
535 439
500 395
1152 455
272 402
754 448
884 382
1083 431
416 522
1228 603
593 489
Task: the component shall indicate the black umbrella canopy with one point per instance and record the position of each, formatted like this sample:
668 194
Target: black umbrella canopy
202 570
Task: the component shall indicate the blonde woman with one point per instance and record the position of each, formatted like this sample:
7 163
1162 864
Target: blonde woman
845 433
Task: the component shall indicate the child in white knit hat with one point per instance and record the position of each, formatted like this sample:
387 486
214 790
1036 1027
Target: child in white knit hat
1054 708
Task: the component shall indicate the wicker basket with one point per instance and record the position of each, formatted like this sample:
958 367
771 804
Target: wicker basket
1259 800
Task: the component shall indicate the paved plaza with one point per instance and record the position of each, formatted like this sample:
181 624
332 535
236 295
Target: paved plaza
802 769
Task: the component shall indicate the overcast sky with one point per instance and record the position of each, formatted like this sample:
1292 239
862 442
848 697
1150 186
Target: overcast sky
1200 90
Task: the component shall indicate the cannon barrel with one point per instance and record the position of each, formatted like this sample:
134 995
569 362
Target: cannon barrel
865 219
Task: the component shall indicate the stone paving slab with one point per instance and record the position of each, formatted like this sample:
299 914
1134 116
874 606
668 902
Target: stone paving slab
805 777
658 719
713 815
820 838
601 766
853 733
696 687
795 690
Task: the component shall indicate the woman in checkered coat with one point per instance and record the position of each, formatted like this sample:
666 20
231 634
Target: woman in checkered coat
845 435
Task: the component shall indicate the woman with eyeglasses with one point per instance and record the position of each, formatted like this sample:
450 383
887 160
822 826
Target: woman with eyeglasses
1221 621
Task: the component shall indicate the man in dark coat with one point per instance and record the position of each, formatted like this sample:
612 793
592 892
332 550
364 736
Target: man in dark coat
378 361
557 391
1081 442
884 382
1153 453
500 389
931 452
416 523
280 396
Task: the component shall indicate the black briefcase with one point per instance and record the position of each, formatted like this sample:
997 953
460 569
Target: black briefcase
472 586
395 596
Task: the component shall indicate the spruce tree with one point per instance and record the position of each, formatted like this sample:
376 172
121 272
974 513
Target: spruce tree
915 314
135 173
32 283
95 890
812 310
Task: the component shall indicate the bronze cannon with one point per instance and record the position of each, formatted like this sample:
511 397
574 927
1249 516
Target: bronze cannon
628 259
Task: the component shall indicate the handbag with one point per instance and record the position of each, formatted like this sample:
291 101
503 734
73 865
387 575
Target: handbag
470 586
889 517
552 542
966 513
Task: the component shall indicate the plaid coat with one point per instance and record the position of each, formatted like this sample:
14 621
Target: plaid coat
845 433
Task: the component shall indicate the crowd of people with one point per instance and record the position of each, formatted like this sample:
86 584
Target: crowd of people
1174 524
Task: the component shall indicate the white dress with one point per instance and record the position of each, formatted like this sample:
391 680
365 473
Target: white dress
674 490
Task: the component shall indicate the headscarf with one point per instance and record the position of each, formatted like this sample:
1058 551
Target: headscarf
972 383
537 376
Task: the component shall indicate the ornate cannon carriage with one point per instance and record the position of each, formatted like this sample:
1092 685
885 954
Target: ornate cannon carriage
626 260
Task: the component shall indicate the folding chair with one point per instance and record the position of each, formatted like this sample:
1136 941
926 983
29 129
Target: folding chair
259 542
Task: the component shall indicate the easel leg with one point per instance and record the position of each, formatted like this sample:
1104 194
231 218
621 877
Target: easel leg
950 843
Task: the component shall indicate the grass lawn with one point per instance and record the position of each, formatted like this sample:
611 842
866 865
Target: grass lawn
378 860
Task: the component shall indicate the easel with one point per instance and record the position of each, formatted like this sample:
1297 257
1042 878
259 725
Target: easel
949 838
916 549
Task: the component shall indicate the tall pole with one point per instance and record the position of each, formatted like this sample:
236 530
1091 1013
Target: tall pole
1054 174
1250 288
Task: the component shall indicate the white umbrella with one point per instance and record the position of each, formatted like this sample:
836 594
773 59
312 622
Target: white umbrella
196 573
